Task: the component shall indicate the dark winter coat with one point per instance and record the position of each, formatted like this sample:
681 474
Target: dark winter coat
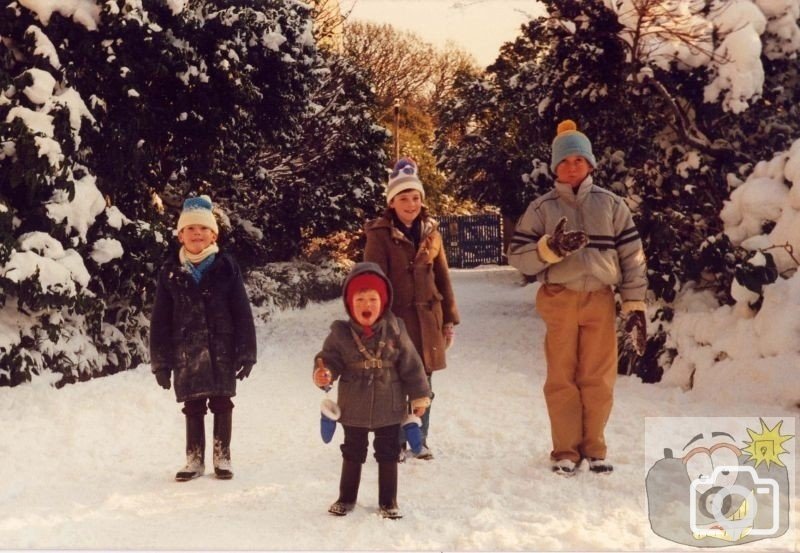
377 396
423 294
203 333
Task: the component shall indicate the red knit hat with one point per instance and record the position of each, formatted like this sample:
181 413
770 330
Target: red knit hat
366 281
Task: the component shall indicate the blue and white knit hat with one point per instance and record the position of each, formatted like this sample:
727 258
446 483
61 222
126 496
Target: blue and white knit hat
197 211
404 176
568 142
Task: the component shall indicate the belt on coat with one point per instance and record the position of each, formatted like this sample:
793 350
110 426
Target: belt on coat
368 364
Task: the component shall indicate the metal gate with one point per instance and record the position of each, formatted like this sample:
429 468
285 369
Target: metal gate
472 240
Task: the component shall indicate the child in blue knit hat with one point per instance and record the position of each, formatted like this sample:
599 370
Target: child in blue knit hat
202 335
580 242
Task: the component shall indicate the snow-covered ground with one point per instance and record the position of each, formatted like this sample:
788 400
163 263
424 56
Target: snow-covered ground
91 466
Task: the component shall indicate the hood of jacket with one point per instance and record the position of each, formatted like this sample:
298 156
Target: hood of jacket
367 267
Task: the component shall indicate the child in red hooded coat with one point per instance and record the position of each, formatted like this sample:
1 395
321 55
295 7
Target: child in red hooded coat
378 370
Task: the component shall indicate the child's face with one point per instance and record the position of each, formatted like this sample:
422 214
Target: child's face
407 205
572 170
366 307
196 238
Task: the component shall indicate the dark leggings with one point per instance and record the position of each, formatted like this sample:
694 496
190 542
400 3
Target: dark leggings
356 443
217 404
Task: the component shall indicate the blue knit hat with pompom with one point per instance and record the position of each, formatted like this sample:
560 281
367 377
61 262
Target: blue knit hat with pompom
569 142
197 211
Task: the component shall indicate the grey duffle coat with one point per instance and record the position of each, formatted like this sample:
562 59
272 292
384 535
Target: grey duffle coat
203 333
374 397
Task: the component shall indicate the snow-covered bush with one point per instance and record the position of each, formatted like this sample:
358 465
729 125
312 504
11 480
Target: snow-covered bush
290 285
716 347
763 217
111 113
679 103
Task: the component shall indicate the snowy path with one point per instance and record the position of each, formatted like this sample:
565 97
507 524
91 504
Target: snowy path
91 466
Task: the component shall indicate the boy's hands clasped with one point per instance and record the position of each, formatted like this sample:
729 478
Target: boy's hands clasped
565 242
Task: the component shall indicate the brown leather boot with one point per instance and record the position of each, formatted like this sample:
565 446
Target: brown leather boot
195 449
223 423
348 488
387 490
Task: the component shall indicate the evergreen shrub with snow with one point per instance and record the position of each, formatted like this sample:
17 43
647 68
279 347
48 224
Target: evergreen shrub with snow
111 113
278 286
681 101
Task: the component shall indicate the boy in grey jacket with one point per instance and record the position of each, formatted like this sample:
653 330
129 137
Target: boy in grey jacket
378 369
579 241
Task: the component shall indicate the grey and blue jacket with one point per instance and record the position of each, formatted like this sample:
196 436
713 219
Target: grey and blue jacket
613 257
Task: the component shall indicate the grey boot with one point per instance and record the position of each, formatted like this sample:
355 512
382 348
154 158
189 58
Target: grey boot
223 423
195 449
387 490
348 488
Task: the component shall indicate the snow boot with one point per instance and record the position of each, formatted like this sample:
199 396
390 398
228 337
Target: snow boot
404 453
425 453
387 491
565 467
600 466
195 449
348 488
222 445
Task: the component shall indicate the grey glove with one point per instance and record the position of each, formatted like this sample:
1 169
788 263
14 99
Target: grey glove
565 242
163 379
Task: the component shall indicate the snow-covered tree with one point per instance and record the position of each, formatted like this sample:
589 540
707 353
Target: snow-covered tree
72 303
333 178
112 113
679 102
410 78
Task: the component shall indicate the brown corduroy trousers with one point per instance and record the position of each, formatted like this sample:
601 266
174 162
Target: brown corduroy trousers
581 350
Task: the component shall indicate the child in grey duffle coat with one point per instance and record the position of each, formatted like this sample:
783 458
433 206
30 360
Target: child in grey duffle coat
379 370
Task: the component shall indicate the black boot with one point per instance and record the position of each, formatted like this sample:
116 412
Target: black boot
387 490
195 449
223 423
348 488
